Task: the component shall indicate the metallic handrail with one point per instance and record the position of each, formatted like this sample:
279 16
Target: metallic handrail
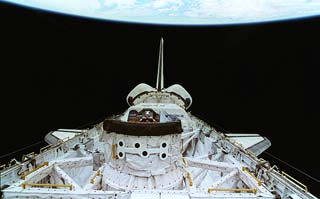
233 190
24 185
184 161
114 151
182 145
3 167
94 177
23 177
190 179
61 141
65 139
252 175
275 168
295 180
27 155
45 148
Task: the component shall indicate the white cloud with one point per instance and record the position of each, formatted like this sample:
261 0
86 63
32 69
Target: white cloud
183 11
228 8
166 3
121 4
71 6
240 10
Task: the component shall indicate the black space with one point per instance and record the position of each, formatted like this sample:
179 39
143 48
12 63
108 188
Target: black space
60 71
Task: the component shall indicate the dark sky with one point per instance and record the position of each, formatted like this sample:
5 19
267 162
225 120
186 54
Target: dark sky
61 71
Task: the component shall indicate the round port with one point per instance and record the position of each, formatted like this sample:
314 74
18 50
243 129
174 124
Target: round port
163 155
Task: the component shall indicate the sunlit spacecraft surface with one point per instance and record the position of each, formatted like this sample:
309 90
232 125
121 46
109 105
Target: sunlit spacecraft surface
154 150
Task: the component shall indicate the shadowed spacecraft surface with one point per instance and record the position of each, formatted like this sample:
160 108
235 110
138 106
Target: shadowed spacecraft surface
183 12
155 150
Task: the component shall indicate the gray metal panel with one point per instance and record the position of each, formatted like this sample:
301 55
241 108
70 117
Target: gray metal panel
51 139
260 147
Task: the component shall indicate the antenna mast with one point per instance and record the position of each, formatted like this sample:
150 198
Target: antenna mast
160 80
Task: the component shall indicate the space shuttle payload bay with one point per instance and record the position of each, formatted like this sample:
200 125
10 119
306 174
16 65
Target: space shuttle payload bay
155 150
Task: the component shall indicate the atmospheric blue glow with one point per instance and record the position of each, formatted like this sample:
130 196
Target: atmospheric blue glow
182 12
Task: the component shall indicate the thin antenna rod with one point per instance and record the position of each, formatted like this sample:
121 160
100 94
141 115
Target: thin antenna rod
160 80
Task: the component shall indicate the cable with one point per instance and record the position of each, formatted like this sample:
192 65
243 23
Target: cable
92 122
269 154
216 126
289 165
95 121
16 151
42 141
